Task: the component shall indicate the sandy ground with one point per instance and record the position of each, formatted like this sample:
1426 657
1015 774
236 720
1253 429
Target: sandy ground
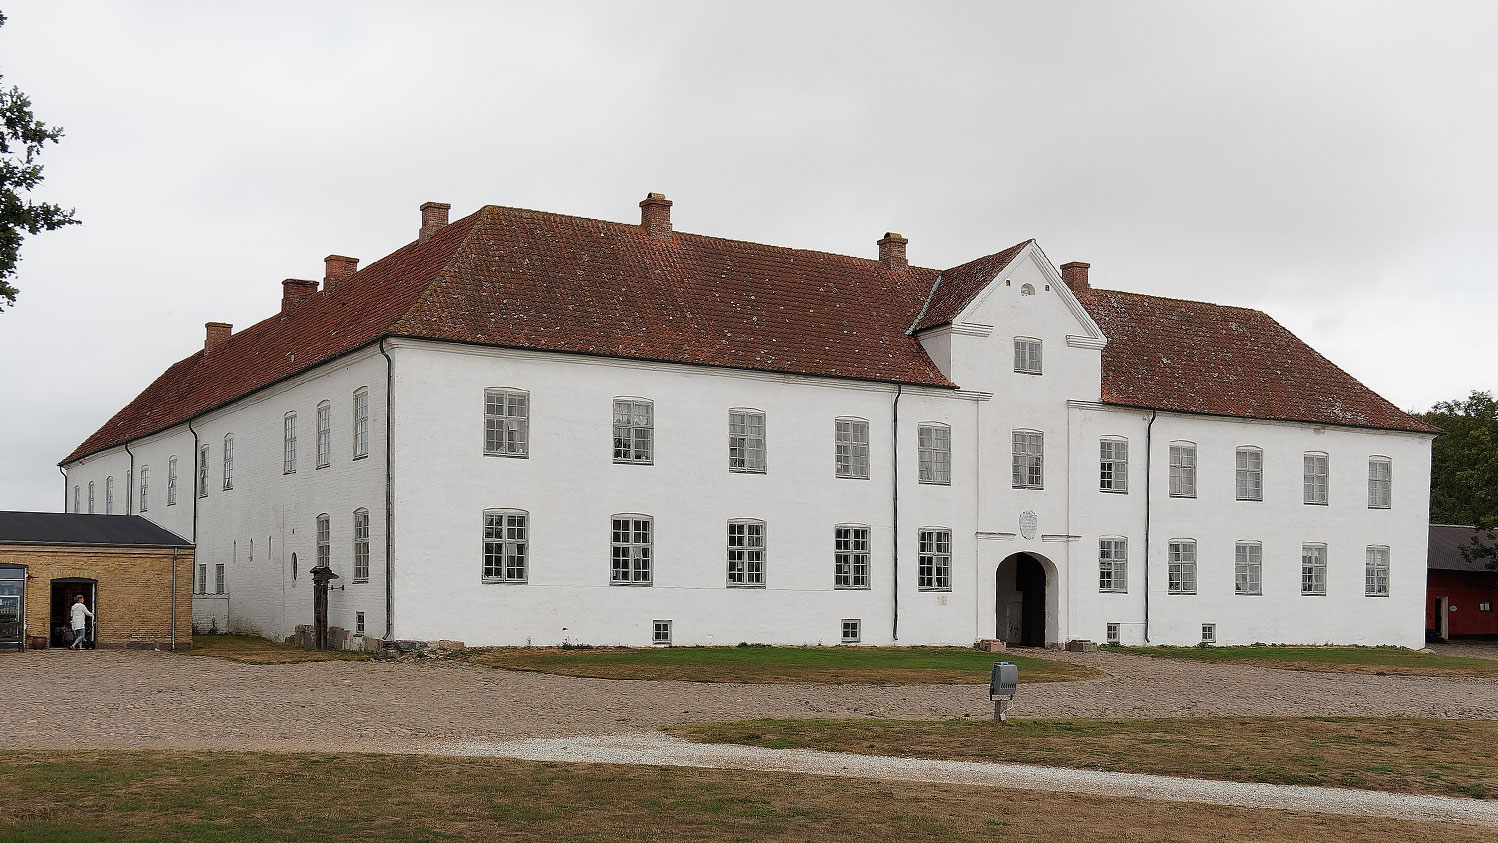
102 699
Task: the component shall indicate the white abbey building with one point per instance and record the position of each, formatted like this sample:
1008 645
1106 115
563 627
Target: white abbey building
529 428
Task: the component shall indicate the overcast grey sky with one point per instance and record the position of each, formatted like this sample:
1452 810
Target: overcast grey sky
1330 163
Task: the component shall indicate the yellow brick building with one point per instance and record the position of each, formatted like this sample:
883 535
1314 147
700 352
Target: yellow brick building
135 576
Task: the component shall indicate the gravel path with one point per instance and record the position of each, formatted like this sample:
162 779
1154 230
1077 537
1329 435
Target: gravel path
106 699
658 749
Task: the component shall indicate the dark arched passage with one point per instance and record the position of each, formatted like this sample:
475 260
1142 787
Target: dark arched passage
1020 584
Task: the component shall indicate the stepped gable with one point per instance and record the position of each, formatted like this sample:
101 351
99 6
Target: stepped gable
1195 357
529 279
961 284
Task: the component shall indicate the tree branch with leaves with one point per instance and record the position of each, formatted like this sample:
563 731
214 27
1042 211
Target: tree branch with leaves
21 141
1464 471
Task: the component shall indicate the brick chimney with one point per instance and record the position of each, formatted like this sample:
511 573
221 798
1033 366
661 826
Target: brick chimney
1075 275
655 216
892 252
336 268
217 334
294 291
433 218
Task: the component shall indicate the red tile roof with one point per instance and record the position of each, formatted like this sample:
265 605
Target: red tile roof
528 279
1194 357
958 286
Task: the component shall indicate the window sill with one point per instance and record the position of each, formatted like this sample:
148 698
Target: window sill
947 483
361 456
631 584
1315 503
1383 595
1386 508
634 462
1184 497
1313 594
836 587
1251 500
1113 591
284 472
523 456
746 470
1027 372
321 467
1033 488
1114 491
942 590
357 581
746 585
851 477
1248 594
1181 593
487 581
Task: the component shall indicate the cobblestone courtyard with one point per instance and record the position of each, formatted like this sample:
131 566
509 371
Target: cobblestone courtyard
108 699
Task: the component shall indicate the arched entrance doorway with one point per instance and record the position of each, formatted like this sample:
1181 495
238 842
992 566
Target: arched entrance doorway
1020 584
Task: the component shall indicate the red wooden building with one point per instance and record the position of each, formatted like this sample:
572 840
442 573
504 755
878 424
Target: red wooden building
1459 595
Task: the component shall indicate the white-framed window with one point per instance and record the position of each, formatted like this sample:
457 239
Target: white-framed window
660 632
934 562
218 578
506 545
852 630
228 462
1376 573
934 449
1182 470
1316 472
203 472
359 624
324 435
1250 473
1029 460
850 556
1113 634
507 423
1113 465
1182 566
746 553
77 499
288 443
1380 482
90 497
852 448
109 496
1027 355
634 431
145 487
746 441
171 482
1485 606
1209 633
324 541
361 545
632 542
1313 569
1248 568
1113 565
201 586
361 423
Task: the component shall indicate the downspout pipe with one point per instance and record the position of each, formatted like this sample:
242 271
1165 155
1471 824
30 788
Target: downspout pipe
895 506
130 483
197 454
65 499
174 600
389 492
1149 453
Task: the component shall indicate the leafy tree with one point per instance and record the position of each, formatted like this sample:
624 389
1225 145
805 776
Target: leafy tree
1464 470
21 143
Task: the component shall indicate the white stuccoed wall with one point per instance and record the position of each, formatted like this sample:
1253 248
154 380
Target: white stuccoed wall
571 488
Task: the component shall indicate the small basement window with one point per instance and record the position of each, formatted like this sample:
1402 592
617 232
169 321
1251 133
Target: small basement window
1113 636
359 623
851 629
660 632
1209 633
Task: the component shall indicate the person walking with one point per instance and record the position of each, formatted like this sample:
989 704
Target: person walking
81 614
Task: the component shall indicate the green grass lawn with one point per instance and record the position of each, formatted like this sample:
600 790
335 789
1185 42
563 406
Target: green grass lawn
1445 757
132 797
1391 661
252 649
782 665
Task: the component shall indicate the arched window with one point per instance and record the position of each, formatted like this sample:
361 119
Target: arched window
145 487
1183 469
228 462
109 496
288 443
1249 481
506 545
361 423
361 545
324 541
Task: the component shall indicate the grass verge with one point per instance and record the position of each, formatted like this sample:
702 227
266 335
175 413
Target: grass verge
1443 757
252 649
1380 661
782 665
114 797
